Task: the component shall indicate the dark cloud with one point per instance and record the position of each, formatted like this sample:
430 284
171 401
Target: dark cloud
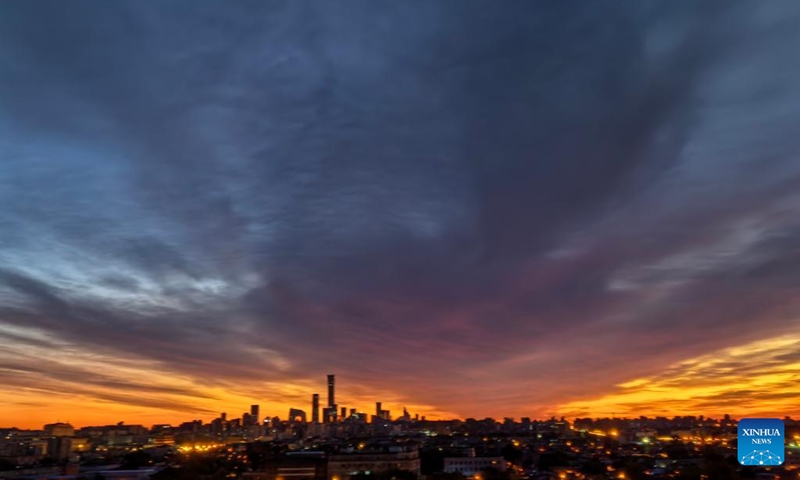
491 194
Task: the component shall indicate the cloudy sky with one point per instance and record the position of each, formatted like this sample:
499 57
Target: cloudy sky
469 209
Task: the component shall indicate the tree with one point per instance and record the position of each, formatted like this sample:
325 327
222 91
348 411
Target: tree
6 465
690 472
447 476
636 471
554 459
431 461
677 451
393 474
511 453
593 467
136 460
719 469
492 473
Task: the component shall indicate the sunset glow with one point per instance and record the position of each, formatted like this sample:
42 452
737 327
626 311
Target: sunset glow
517 209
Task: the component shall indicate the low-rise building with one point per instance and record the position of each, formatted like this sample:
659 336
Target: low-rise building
293 466
343 466
59 430
471 466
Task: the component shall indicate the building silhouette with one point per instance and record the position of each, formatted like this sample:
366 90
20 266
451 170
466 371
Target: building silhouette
315 408
295 415
331 390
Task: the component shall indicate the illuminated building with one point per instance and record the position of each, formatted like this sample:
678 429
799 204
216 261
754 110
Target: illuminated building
471 466
293 466
343 466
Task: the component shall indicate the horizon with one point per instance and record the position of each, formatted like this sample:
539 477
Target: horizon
207 418
498 420
524 210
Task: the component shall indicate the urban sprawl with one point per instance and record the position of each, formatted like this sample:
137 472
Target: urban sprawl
335 443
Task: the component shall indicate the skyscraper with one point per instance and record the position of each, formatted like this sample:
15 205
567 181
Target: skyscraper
378 409
297 416
315 408
331 387
254 414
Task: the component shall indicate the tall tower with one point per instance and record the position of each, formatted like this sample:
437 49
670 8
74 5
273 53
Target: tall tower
378 409
331 386
315 408
254 414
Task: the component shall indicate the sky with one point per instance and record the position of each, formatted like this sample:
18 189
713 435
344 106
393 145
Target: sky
468 209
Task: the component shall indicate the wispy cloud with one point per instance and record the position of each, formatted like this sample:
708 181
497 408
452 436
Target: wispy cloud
443 205
758 378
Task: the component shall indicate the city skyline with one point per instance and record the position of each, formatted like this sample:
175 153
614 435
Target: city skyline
523 210
370 418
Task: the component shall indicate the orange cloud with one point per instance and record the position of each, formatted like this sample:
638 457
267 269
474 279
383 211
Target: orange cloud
47 380
761 378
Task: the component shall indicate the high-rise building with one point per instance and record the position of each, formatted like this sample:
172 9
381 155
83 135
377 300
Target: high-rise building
331 414
378 409
59 448
315 408
217 425
297 416
344 412
255 417
331 388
